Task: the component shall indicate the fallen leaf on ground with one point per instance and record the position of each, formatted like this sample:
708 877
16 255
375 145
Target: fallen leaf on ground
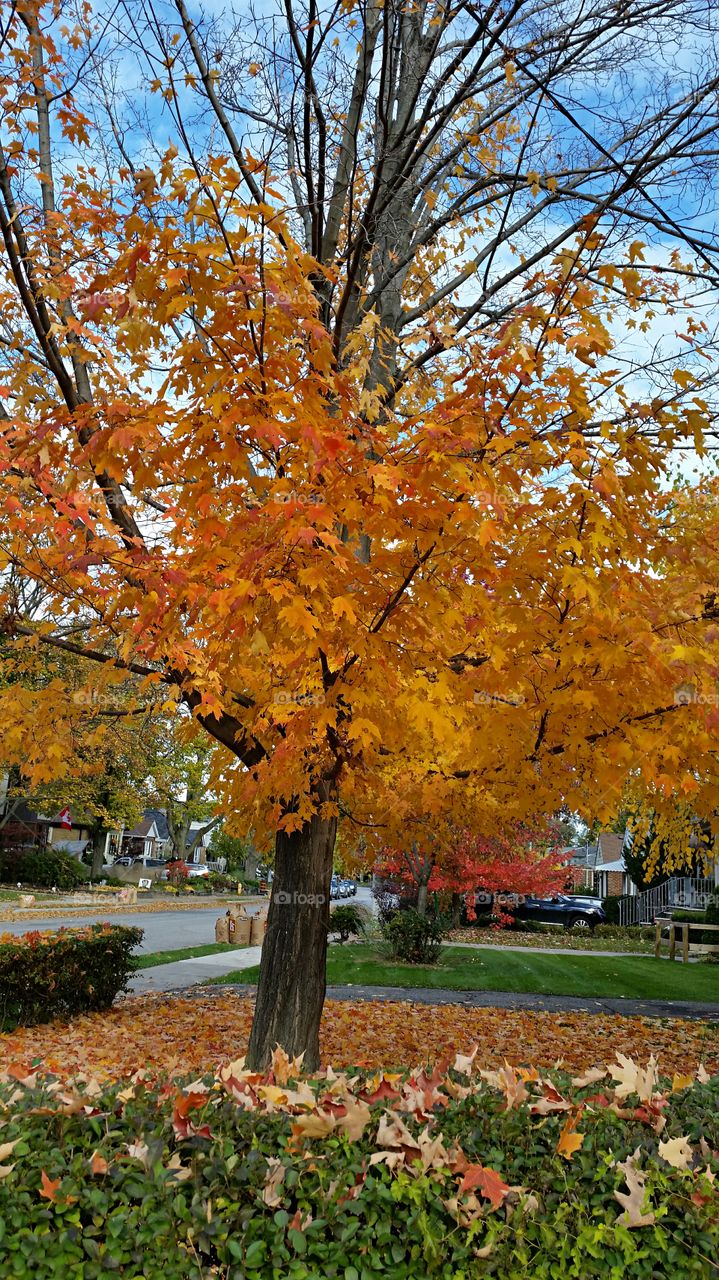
192 1034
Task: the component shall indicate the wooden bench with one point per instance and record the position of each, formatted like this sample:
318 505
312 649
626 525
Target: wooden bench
698 948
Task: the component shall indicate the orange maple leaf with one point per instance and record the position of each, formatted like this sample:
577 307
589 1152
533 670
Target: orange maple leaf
487 1182
569 1140
49 1186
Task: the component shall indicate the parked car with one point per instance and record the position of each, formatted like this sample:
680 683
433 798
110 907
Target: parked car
349 888
196 870
568 910
335 888
123 862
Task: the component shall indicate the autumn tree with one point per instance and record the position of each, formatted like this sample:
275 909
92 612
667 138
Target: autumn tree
178 772
69 740
320 420
461 862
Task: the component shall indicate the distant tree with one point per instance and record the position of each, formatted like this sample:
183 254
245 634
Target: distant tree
179 783
520 860
237 851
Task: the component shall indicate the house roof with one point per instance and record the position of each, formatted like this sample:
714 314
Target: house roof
145 827
75 847
160 820
581 855
611 845
616 865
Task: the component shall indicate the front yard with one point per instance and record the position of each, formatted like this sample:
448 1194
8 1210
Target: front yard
459 969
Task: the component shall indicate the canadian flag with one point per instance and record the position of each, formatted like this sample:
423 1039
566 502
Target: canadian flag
65 819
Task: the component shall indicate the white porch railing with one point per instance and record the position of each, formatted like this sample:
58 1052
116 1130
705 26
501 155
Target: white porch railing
691 893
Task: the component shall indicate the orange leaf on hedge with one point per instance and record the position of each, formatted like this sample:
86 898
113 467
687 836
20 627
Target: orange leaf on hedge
487 1182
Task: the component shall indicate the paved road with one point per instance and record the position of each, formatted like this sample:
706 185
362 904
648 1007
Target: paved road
517 1000
163 929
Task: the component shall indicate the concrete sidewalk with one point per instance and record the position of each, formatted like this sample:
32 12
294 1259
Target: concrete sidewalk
187 973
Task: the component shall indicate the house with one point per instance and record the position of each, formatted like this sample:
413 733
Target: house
147 839
24 827
199 852
580 863
611 878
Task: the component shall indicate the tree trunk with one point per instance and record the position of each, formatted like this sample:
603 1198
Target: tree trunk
422 900
456 910
292 981
99 838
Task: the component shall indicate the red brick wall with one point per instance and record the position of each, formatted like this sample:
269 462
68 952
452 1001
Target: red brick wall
615 884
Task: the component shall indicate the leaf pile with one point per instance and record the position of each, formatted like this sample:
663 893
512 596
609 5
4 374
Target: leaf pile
453 1173
194 1033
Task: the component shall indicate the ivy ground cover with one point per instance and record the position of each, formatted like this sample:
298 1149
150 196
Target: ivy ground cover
452 1173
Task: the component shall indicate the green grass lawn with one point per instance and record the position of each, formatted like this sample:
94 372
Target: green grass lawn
150 958
497 970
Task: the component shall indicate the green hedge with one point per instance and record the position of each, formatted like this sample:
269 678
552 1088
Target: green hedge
42 869
258 1179
55 975
611 908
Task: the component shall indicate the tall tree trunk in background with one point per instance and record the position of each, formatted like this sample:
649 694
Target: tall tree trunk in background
420 866
292 981
99 838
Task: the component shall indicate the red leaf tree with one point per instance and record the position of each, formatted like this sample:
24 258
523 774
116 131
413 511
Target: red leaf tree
519 860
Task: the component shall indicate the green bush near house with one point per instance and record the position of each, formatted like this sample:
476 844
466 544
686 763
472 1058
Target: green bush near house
42 869
55 975
165 1183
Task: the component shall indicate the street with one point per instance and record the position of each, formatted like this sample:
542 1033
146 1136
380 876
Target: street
164 929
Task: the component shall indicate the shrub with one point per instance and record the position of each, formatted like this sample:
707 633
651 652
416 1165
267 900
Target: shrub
611 908
173 1183
177 873
414 938
56 975
348 921
42 868
217 882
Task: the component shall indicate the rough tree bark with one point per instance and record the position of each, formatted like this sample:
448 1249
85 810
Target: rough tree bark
98 851
292 981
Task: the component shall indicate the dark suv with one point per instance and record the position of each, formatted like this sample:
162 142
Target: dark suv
569 910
